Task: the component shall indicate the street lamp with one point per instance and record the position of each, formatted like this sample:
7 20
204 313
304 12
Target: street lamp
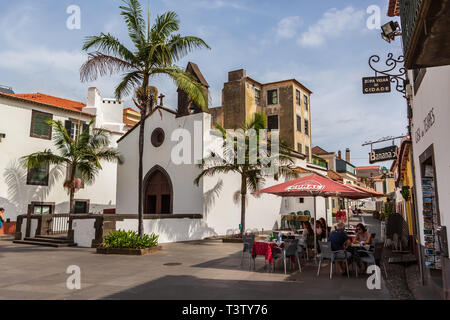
390 31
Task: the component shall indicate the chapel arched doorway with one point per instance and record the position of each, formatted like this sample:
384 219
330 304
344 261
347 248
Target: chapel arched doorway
158 192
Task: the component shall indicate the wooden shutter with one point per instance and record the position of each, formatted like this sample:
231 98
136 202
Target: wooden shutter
39 126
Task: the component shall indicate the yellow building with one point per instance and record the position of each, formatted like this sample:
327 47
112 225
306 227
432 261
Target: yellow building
286 104
130 118
403 179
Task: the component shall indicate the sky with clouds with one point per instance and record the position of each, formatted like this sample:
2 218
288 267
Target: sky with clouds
325 44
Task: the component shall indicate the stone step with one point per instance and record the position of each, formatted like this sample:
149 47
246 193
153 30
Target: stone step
46 244
51 240
54 237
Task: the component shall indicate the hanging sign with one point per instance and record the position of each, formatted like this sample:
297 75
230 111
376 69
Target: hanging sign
385 154
376 85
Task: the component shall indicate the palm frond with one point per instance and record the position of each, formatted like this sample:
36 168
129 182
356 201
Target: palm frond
100 64
88 171
181 46
133 15
39 158
211 171
165 24
187 83
110 155
61 138
109 45
130 81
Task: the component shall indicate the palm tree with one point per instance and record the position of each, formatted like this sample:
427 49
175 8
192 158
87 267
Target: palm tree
81 155
252 172
156 48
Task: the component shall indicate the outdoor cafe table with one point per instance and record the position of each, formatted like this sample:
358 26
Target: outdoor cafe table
351 237
264 248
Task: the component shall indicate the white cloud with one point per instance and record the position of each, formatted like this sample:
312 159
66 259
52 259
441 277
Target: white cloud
333 24
287 28
40 59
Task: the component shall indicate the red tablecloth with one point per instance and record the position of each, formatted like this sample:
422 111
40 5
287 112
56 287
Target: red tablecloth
261 248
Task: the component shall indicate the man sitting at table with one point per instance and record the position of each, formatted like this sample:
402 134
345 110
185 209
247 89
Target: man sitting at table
340 241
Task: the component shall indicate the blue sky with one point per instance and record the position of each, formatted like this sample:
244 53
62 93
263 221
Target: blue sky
325 44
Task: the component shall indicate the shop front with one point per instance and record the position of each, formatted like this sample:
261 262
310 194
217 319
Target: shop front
431 114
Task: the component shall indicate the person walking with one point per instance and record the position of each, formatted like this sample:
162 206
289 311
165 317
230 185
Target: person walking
2 217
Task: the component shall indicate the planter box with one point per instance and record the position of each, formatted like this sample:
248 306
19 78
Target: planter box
129 252
8 228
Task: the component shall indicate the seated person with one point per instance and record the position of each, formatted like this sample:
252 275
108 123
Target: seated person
308 234
307 230
340 241
321 233
362 235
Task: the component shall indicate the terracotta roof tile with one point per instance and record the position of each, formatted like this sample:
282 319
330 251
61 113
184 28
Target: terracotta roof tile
318 150
51 100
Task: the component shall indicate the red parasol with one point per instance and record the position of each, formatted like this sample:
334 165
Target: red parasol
315 185
373 194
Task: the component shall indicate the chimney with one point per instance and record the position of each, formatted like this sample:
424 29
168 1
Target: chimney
347 155
236 75
339 155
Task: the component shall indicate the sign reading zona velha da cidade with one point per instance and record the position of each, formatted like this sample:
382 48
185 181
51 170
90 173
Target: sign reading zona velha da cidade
385 154
376 85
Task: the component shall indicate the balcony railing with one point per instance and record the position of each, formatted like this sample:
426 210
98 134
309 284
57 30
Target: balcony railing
319 162
409 12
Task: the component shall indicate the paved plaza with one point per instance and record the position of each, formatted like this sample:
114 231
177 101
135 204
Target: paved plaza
206 269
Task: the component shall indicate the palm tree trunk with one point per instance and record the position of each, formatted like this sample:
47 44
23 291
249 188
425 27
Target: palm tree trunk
72 202
72 190
70 232
243 199
144 111
141 191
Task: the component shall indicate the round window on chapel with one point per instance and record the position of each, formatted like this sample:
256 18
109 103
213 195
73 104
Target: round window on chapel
158 137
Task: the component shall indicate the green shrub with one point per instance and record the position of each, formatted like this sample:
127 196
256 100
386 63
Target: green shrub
129 240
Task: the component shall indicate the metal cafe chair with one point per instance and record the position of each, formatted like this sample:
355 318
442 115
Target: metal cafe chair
334 256
248 242
290 250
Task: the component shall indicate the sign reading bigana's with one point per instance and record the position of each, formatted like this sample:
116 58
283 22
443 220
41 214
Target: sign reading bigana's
385 154
376 85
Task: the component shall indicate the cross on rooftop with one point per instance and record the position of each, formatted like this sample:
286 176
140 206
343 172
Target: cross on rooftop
161 97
